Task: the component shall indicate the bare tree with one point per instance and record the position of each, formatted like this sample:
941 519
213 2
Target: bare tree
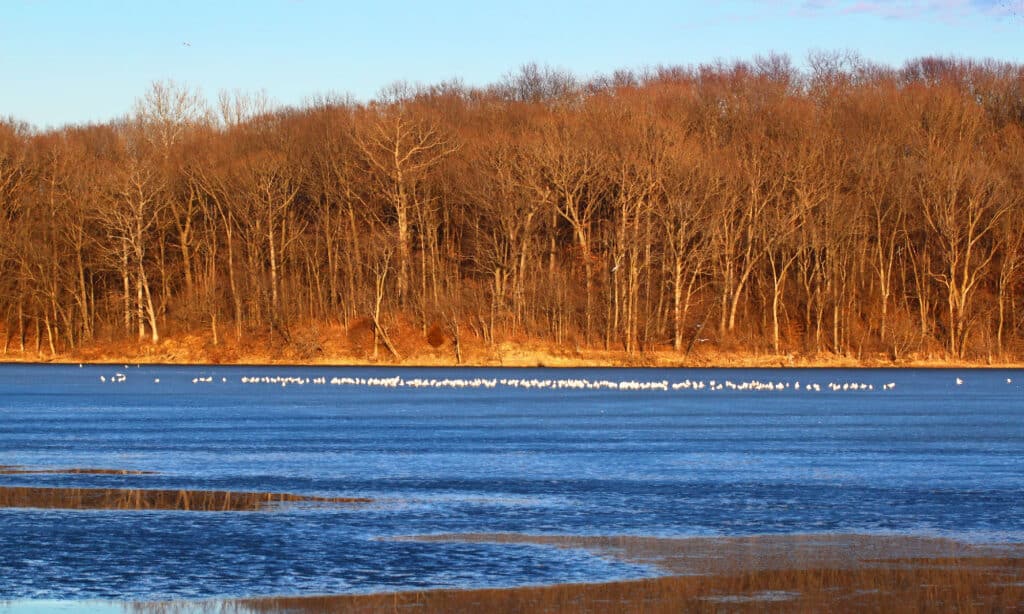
133 207
399 148
848 208
962 200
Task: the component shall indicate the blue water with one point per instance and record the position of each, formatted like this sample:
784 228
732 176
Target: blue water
928 457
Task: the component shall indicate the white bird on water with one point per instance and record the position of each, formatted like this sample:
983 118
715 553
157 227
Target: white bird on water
959 381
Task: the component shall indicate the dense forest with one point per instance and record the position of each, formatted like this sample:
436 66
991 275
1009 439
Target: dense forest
839 207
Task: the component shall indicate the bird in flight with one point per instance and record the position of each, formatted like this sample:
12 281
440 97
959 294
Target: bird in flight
186 44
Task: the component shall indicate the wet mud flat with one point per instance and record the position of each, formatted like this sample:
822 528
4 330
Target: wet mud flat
729 555
801 573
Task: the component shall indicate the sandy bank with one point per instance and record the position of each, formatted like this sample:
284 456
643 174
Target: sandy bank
332 348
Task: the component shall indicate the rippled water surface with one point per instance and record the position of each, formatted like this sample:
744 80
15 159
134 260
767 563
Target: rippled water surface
609 452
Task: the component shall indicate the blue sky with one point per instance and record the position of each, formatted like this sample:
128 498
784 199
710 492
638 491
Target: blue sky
72 61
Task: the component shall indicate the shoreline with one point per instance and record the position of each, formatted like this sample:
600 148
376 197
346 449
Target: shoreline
502 355
554 363
907 585
337 346
803 572
557 363
762 573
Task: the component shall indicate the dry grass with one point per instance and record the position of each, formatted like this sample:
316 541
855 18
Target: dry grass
732 555
150 499
802 573
18 470
910 585
352 345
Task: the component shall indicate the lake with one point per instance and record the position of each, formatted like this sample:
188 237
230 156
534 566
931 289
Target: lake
591 452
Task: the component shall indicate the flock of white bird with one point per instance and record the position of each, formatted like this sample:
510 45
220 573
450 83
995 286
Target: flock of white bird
532 383
559 384
539 384
206 380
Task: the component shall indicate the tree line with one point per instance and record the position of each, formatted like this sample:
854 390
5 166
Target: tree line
840 207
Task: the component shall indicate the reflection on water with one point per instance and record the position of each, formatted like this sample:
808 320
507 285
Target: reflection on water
560 452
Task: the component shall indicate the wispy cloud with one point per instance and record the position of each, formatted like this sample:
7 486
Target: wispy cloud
950 11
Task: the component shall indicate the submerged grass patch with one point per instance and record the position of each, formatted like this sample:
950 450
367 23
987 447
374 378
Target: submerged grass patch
151 499
728 555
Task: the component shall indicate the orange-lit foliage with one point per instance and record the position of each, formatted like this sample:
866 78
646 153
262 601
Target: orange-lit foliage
847 208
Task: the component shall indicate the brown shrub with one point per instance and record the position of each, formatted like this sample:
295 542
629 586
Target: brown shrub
359 333
436 335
